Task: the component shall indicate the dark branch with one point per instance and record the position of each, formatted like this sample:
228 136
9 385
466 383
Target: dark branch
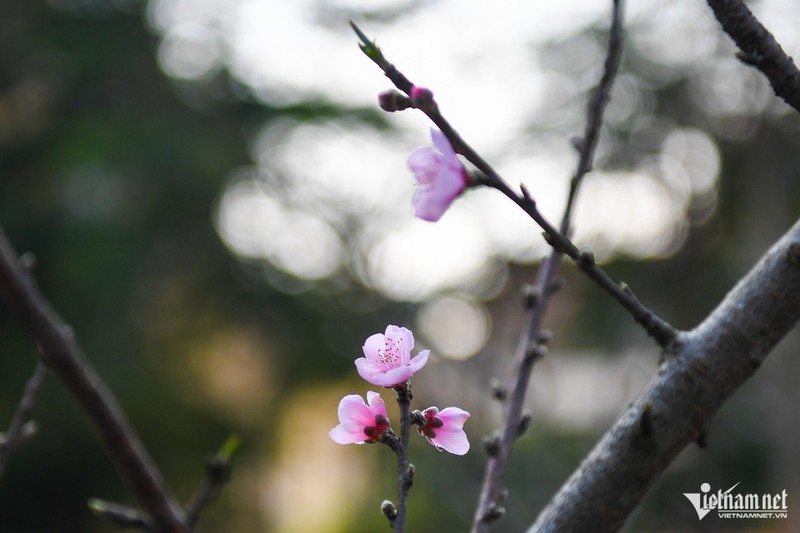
61 353
218 473
759 48
21 426
661 331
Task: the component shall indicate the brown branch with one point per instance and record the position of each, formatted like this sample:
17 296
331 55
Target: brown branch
657 328
759 48
699 373
61 353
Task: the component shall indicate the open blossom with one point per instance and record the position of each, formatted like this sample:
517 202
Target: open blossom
444 429
360 422
440 175
387 357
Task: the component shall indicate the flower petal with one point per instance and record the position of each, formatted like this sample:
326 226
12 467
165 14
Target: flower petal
423 161
370 371
419 361
340 435
442 144
374 347
455 442
376 404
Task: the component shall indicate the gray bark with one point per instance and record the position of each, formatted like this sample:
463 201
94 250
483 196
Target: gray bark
700 370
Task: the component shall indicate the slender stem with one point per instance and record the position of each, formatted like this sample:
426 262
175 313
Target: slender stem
405 471
22 415
657 328
489 509
61 353
218 472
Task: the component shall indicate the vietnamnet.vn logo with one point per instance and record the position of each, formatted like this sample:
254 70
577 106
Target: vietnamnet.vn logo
729 504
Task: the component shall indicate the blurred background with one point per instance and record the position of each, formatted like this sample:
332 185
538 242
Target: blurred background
223 214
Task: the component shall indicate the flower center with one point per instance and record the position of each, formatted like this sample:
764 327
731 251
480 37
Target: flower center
392 353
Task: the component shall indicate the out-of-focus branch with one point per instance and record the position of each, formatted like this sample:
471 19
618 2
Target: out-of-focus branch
60 351
700 371
500 446
759 48
657 328
21 426
218 472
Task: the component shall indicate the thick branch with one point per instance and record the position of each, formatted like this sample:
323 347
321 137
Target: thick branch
699 373
61 353
759 48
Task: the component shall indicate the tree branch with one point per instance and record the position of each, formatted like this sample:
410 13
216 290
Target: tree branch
218 472
17 431
61 353
700 371
759 48
501 445
657 328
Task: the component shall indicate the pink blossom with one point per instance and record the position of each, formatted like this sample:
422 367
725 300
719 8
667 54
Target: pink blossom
359 422
444 429
440 175
387 357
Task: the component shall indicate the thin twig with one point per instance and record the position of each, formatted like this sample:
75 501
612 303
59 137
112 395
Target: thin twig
657 328
532 345
121 515
61 353
218 472
22 417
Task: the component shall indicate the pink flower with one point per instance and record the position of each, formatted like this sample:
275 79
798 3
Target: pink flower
440 175
444 429
387 357
359 422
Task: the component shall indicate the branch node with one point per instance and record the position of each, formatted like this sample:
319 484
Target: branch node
794 253
702 439
389 511
491 443
499 390
391 101
495 512
531 296
586 257
753 59
28 261
578 143
556 284
524 423
534 353
408 479
646 421
544 336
